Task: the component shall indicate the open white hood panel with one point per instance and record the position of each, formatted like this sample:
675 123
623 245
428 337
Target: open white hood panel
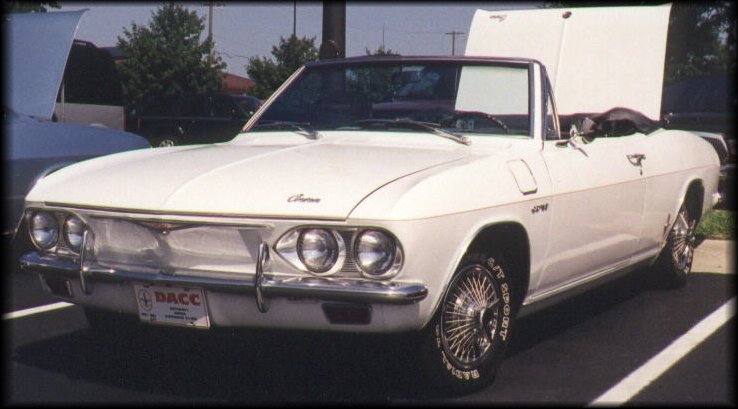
597 58
37 54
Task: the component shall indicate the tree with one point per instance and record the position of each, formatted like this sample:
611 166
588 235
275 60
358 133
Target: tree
167 57
289 55
381 51
701 38
17 6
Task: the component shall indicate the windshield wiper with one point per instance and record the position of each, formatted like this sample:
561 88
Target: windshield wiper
410 124
298 127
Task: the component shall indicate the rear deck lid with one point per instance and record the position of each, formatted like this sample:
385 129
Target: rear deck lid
597 58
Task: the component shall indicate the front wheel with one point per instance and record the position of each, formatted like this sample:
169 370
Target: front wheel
465 343
675 262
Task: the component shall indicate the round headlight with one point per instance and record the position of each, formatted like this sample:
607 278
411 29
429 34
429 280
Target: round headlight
317 249
74 230
44 230
375 252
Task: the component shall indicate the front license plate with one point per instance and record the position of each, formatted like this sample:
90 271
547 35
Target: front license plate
172 305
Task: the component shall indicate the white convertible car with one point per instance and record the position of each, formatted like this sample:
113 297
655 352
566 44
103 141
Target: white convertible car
439 195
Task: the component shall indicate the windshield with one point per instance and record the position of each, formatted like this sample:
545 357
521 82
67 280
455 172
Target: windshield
455 97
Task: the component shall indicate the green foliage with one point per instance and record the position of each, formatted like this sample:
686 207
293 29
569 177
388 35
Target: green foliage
701 38
29 6
289 55
167 57
373 85
718 225
381 51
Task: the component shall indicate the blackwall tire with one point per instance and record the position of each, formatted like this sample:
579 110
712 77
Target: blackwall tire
675 262
464 345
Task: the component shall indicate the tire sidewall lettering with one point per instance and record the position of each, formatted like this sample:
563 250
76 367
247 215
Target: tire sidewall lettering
501 334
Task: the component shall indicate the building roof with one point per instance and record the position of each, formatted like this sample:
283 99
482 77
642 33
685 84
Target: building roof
235 84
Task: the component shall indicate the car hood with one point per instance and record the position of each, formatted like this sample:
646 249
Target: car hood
316 179
29 139
597 58
39 45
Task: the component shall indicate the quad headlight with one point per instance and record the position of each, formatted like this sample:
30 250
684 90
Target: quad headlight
74 230
325 251
56 231
44 230
318 250
375 252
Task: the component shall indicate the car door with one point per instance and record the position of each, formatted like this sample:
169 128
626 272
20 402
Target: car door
596 211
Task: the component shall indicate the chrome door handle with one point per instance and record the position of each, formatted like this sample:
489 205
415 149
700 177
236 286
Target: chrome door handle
636 158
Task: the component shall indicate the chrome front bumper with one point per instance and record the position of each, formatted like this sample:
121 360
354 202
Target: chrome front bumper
261 284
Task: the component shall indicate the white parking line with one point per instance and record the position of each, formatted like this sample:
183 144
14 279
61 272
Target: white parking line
35 310
656 366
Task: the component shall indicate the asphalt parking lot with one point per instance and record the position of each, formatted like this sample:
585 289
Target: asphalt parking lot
620 343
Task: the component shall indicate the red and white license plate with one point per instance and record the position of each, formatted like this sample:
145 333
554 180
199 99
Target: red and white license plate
172 305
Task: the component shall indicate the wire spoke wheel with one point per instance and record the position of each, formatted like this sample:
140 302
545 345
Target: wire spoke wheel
166 142
470 316
675 261
683 240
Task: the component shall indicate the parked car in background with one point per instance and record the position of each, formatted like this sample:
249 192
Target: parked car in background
90 91
445 223
186 119
707 104
34 146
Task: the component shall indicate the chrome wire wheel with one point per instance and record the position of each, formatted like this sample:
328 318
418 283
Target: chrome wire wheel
683 240
166 143
470 316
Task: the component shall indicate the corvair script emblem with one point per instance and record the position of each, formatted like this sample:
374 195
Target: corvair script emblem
301 198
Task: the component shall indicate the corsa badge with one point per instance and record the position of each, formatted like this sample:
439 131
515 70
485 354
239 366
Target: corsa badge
539 208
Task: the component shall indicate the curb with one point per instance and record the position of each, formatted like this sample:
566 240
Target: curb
715 256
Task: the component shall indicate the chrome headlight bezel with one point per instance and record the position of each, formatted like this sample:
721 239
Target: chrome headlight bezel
346 263
73 232
330 243
377 239
67 230
43 221
289 247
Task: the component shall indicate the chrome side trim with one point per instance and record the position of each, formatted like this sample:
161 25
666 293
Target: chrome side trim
322 288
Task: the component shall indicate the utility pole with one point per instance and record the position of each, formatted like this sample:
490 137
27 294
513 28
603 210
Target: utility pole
453 35
210 5
334 30
294 18
210 21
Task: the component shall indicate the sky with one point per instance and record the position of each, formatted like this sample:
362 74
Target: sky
250 29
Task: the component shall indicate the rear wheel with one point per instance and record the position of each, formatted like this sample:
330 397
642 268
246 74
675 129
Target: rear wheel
465 343
165 141
675 262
